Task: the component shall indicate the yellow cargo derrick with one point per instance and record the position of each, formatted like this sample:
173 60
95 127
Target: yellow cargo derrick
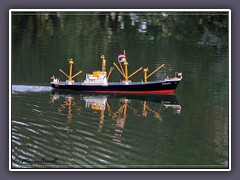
124 72
70 77
146 70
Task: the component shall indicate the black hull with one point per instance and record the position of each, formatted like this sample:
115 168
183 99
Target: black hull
156 87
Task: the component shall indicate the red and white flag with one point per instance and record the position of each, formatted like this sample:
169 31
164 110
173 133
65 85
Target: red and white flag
121 57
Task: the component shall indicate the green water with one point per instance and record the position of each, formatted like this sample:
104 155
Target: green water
66 130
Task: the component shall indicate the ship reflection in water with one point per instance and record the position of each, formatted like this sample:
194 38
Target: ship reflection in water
77 103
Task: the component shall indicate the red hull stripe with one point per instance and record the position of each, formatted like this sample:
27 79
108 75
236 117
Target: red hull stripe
129 92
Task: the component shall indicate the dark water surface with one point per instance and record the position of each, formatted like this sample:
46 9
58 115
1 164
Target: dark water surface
65 130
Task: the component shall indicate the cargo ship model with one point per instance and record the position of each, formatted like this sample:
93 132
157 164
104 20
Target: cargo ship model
97 82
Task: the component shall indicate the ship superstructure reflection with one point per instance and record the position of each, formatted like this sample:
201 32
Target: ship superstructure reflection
97 103
115 108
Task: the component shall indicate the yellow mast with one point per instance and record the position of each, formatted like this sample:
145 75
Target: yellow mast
104 67
70 77
70 69
125 67
145 74
103 63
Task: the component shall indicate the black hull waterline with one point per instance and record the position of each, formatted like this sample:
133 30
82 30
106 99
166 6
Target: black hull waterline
154 87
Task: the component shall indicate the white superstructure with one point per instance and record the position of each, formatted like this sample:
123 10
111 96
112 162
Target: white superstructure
96 78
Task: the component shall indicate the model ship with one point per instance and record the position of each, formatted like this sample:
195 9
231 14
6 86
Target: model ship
97 82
